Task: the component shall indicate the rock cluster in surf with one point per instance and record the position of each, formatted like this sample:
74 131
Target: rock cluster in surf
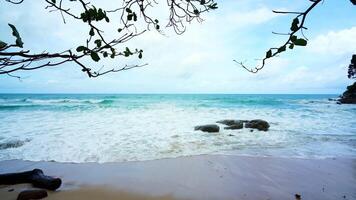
258 124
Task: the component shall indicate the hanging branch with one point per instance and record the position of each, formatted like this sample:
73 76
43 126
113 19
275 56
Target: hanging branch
182 11
97 46
292 41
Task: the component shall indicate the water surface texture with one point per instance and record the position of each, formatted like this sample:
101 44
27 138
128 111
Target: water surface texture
109 128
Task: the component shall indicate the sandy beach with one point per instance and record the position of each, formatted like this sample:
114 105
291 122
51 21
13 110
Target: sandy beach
197 177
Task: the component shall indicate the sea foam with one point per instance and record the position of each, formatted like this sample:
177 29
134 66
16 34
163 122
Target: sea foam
107 128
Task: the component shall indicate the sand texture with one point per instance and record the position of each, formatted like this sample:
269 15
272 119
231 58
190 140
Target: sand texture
197 177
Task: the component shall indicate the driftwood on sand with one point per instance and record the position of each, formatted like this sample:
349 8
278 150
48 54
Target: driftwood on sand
35 177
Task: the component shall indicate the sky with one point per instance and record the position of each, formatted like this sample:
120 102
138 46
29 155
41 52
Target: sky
200 60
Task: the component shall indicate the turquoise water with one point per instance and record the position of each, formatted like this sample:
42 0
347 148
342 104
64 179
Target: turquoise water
107 128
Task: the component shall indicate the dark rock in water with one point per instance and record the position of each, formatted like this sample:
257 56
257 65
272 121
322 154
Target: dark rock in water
12 144
257 124
349 96
298 197
32 194
239 124
235 127
211 128
231 122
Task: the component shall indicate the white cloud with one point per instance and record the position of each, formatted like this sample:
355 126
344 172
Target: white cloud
315 77
194 58
335 42
252 17
199 60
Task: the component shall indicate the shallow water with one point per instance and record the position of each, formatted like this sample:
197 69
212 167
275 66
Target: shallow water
107 128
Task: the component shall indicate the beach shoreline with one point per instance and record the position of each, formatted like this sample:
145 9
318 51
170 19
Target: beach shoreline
197 177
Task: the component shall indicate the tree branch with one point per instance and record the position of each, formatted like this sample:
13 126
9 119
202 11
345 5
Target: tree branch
97 46
292 41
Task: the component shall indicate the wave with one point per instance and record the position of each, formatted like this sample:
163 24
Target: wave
107 101
15 104
313 101
241 102
58 101
14 107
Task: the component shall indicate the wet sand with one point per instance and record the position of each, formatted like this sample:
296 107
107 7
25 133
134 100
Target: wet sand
197 177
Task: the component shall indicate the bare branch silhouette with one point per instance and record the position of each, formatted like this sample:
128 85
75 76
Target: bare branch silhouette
97 46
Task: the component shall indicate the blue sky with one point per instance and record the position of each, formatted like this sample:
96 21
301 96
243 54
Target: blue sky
200 61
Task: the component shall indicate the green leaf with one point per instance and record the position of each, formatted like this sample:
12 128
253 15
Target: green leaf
129 17
293 38
119 30
213 6
17 35
98 43
140 55
113 53
53 1
105 54
128 50
353 60
295 23
94 56
84 17
81 48
291 46
2 44
281 49
301 42
269 54
91 32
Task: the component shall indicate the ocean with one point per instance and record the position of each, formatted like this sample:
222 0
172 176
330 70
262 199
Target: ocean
134 127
